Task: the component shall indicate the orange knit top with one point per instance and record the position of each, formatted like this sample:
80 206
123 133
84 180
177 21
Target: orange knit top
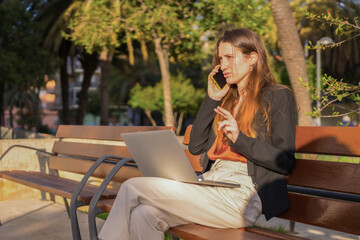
225 152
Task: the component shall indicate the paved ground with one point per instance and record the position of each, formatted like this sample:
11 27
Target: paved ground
38 220
44 220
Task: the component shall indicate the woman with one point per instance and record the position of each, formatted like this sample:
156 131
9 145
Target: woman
246 132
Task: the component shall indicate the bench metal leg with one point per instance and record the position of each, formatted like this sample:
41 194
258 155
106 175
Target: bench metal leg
92 222
74 220
67 206
292 227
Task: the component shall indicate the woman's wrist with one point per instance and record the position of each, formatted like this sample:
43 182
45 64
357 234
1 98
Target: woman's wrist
215 98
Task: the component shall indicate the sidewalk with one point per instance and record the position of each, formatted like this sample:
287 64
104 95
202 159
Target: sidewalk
38 220
43 220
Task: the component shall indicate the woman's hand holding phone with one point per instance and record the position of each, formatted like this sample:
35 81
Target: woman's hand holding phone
214 91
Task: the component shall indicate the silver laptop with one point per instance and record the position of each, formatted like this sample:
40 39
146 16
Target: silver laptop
159 154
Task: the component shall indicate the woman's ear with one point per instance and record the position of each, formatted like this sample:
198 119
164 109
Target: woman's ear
253 58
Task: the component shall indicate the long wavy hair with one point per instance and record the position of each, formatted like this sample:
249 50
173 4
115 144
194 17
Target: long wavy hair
259 78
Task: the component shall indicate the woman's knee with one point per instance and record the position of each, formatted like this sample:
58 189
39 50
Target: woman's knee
132 183
145 215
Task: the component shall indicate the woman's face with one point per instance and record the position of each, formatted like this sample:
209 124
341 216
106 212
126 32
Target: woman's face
234 64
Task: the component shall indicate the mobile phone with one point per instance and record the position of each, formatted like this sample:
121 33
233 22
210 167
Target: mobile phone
219 79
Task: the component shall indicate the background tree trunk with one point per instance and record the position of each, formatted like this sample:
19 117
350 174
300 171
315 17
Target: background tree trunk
162 54
89 64
294 58
148 114
2 106
105 64
130 49
64 80
179 123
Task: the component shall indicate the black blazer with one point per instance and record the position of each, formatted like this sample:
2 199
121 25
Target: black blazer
270 156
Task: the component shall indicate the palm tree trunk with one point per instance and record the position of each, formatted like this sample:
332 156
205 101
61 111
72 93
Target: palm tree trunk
89 65
105 64
293 56
162 53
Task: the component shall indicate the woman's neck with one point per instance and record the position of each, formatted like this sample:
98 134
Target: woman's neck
241 86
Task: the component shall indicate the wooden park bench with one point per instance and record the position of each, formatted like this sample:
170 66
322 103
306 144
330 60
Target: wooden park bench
322 193
78 150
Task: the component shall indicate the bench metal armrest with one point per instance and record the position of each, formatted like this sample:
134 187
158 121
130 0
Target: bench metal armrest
93 210
74 203
23 146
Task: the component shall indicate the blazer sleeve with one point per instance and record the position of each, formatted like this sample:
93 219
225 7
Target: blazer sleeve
277 152
202 126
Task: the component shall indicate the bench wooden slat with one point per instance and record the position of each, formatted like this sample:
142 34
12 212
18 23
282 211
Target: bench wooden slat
320 174
56 185
335 214
272 234
38 183
90 150
108 193
199 232
340 141
82 165
106 204
102 132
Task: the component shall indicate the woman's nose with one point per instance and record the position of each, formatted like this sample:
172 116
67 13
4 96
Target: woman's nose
224 65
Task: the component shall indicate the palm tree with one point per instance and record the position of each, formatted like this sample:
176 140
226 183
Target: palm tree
50 16
293 56
54 16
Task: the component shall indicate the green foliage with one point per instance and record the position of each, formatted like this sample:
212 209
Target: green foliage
184 25
250 14
323 18
21 57
184 97
174 22
23 62
145 98
94 103
333 91
342 25
94 24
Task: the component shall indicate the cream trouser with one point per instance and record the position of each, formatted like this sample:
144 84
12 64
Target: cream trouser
146 207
